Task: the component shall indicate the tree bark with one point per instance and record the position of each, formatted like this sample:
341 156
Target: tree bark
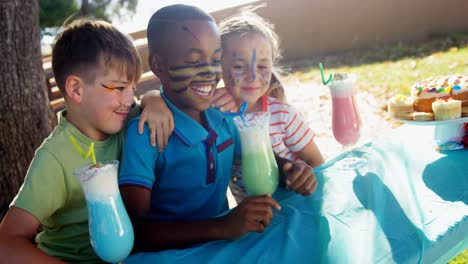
84 7
25 115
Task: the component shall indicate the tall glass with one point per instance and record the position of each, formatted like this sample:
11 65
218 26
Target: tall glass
110 229
346 123
259 169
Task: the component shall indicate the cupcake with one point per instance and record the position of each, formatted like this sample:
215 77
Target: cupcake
446 109
401 107
426 91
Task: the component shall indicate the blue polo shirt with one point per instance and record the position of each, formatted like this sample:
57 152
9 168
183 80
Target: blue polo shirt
189 179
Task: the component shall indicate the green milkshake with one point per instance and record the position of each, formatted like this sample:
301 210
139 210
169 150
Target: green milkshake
259 169
260 174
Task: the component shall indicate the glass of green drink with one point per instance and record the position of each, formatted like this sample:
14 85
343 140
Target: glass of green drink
259 169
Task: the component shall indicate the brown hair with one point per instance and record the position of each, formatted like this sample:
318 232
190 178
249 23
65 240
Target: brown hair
247 22
85 44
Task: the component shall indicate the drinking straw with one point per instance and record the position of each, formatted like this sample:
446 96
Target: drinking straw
90 152
241 112
330 78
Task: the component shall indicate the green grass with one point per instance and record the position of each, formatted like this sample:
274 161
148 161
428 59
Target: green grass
392 69
462 258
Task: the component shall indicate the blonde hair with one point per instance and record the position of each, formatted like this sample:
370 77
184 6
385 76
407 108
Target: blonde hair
247 21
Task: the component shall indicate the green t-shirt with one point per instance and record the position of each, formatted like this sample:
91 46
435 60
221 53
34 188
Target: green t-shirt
54 196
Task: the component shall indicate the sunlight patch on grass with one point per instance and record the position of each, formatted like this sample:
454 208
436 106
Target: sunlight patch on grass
393 68
462 258
390 77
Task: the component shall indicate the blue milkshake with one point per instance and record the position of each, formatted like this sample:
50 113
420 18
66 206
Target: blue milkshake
110 229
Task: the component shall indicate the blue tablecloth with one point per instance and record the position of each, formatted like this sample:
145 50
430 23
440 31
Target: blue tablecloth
408 205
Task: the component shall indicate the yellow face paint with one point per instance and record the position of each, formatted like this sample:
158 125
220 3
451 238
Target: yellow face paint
181 77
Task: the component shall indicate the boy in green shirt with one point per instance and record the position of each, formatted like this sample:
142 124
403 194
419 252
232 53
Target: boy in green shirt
96 68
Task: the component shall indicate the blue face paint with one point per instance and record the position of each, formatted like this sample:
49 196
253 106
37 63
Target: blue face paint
252 66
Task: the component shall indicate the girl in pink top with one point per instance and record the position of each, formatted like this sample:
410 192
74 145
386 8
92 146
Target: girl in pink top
250 51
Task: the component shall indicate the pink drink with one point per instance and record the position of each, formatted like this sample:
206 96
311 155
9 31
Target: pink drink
345 121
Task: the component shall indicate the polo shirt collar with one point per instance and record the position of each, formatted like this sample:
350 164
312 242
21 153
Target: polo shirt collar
188 130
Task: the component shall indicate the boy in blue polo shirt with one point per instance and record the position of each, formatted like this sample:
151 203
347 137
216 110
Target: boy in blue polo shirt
175 197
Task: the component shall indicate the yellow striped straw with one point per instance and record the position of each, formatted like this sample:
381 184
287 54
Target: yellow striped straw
90 152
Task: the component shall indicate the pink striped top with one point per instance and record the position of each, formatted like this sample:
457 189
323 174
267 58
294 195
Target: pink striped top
289 133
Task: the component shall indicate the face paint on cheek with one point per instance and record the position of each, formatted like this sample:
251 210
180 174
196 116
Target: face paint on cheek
180 87
181 76
230 80
254 62
265 79
237 78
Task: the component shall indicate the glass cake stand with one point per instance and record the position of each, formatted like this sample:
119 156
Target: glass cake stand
448 134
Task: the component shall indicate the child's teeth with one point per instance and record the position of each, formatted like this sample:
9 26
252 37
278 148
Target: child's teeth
203 90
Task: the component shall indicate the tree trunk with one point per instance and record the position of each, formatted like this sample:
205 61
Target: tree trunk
25 115
84 7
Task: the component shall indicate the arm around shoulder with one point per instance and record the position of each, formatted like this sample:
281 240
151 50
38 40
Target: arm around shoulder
159 118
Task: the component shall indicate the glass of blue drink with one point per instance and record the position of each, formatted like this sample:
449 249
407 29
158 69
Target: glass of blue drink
110 229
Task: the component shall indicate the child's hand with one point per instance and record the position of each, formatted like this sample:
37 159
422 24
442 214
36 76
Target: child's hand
159 118
224 101
299 177
252 214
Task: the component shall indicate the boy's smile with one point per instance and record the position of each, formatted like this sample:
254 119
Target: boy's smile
190 65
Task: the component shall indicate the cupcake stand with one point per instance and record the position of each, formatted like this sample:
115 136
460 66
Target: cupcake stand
448 134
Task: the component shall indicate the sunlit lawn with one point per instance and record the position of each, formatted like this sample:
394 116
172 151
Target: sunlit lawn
460 259
394 68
